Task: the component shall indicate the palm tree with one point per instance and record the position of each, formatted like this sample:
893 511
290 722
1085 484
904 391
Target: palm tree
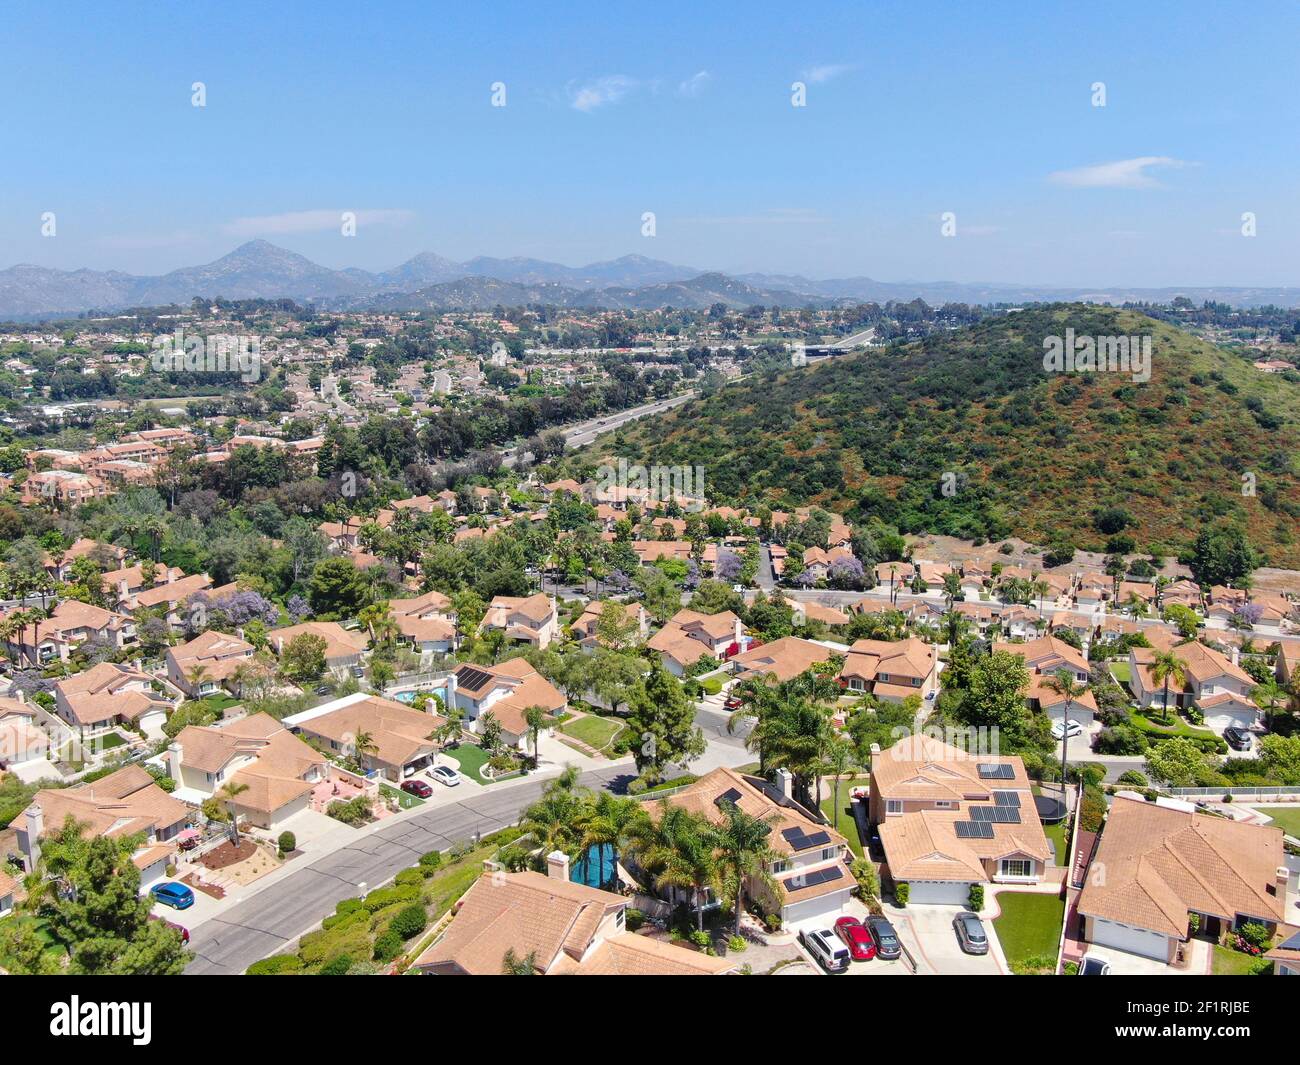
743 853
951 587
363 743
1167 666
554 818
1064 684
229 792
513 965
840 759
449 731
692 864
1040 588
610 821
535 719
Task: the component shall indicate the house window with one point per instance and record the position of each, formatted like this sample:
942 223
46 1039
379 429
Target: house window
893 806
943 804
781 865
1020 867
829 852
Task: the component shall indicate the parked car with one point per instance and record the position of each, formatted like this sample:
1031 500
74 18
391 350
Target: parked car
324 689
444 774
856 937
1090 966
185 932
418 788
177 896
882 932
823 945
1060 728
733 703
358 671
1239 739
970 933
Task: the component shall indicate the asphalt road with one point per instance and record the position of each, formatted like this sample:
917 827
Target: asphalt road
266 922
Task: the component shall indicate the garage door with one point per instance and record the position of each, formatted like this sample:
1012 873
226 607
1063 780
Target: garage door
1133 940
828 906
939 892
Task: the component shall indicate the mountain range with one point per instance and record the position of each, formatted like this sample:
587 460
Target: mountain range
259 269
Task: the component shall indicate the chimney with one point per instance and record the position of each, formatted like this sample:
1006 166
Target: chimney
22 696
737 632
1282 874
1234 655
29 835
557 866
174 754
785 783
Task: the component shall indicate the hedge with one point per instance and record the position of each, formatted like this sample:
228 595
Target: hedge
276 965
409 922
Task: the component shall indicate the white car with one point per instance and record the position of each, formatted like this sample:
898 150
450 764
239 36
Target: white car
444 774
827 948
1060 728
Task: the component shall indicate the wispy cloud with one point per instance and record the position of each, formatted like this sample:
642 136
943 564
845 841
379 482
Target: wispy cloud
826 71
311 221
601 92
1121 174
695 84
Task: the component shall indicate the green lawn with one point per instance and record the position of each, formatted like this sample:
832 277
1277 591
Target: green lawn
1121 672
595 732
1056 833
110 740
1229 962
1287 818
842 818
1029 925
1153 724
405 799
471 759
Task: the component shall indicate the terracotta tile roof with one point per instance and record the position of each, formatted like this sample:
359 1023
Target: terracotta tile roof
784 658
1047 653
1161 862
400 733
923 767
868 659
339 642
121 804
627 954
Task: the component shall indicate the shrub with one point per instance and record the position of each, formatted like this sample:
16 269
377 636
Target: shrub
976 898
381 897
1133 778
700 938
411 921
864 872
388 946
348 905
1260 967
736 944
276 965
342 920
1093 812
407 877
287 842
352 938
634 918
902 891
1071 968
431 859
1255 935
773 922
337 966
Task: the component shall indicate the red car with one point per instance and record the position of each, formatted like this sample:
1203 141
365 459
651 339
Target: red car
418 788
856 937
733 703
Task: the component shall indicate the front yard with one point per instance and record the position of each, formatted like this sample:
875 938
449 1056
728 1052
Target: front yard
1229 962
1287 818
405 800
470 758
1029 926
596 732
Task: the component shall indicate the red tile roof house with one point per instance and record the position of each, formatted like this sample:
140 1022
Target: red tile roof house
532 620
401 742
814 881
584 630
71 624
783 659
948 819
427 622
107 696
891 670
1214 682
82 548
1155 865
689 636
206 664
344 648
21 737
1044 657
505 691
279 771
171 595
124 803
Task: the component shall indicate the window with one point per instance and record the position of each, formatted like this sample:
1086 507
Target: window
781 865
893 806
1017 867
942 804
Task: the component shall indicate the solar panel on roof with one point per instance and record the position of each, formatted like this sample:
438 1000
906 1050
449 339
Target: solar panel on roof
473 678
730 795
815 878
974 830
995 771
819 839
1291 944
981 813
1007 798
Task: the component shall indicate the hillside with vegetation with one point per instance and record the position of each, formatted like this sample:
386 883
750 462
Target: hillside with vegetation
1054 458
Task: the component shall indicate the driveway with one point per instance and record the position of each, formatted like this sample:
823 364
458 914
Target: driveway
927 932
1122 963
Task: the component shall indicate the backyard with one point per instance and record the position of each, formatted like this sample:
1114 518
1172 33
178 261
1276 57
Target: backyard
1056 833
1029 925
842 818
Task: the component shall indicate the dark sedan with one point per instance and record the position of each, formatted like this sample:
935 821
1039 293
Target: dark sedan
882 932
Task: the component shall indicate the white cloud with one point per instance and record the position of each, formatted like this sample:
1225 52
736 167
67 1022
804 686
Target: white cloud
695 84
600 92
311 221
826 71
1121 174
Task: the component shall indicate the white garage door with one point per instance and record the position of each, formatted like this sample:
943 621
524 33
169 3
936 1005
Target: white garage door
1133 940
828 906
939 892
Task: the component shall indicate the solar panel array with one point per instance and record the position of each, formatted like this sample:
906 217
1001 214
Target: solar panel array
472 678
1000 815
730 795
974 830
801 841
995 771
1291 944
1007 798
813 879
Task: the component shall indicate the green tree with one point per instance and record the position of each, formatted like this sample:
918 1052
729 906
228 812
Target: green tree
744 854
662 720
1166 666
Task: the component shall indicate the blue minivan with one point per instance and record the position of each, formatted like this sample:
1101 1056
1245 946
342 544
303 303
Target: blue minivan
177 896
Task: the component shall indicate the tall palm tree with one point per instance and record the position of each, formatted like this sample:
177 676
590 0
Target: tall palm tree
1166 666
610 820
535 719
951 587
1064 684
363 743
232 790
840 758
692 864
744 854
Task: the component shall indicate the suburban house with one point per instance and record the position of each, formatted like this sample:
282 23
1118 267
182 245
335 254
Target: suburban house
1213 682
813 878
1156 865
633 615
124 803
506 691
69 625
804 613
427 622
532 620
21 738
8 885
274 768
688 636
566 929
1045 657
1260 608
817 563
344 648
948 819
109 695
58 564
400 743
783 659
202 666
892 670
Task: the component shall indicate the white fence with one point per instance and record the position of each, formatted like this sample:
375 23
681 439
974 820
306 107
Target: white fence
1275 793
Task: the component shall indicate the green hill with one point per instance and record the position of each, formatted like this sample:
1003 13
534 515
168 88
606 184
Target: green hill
1032 453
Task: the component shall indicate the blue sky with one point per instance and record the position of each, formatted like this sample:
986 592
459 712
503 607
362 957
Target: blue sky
913 110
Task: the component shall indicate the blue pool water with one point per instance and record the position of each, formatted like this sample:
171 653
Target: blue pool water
596 867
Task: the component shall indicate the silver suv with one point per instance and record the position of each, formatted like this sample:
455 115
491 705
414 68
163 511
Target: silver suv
827 948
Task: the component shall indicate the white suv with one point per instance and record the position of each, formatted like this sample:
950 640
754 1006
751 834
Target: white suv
827 948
